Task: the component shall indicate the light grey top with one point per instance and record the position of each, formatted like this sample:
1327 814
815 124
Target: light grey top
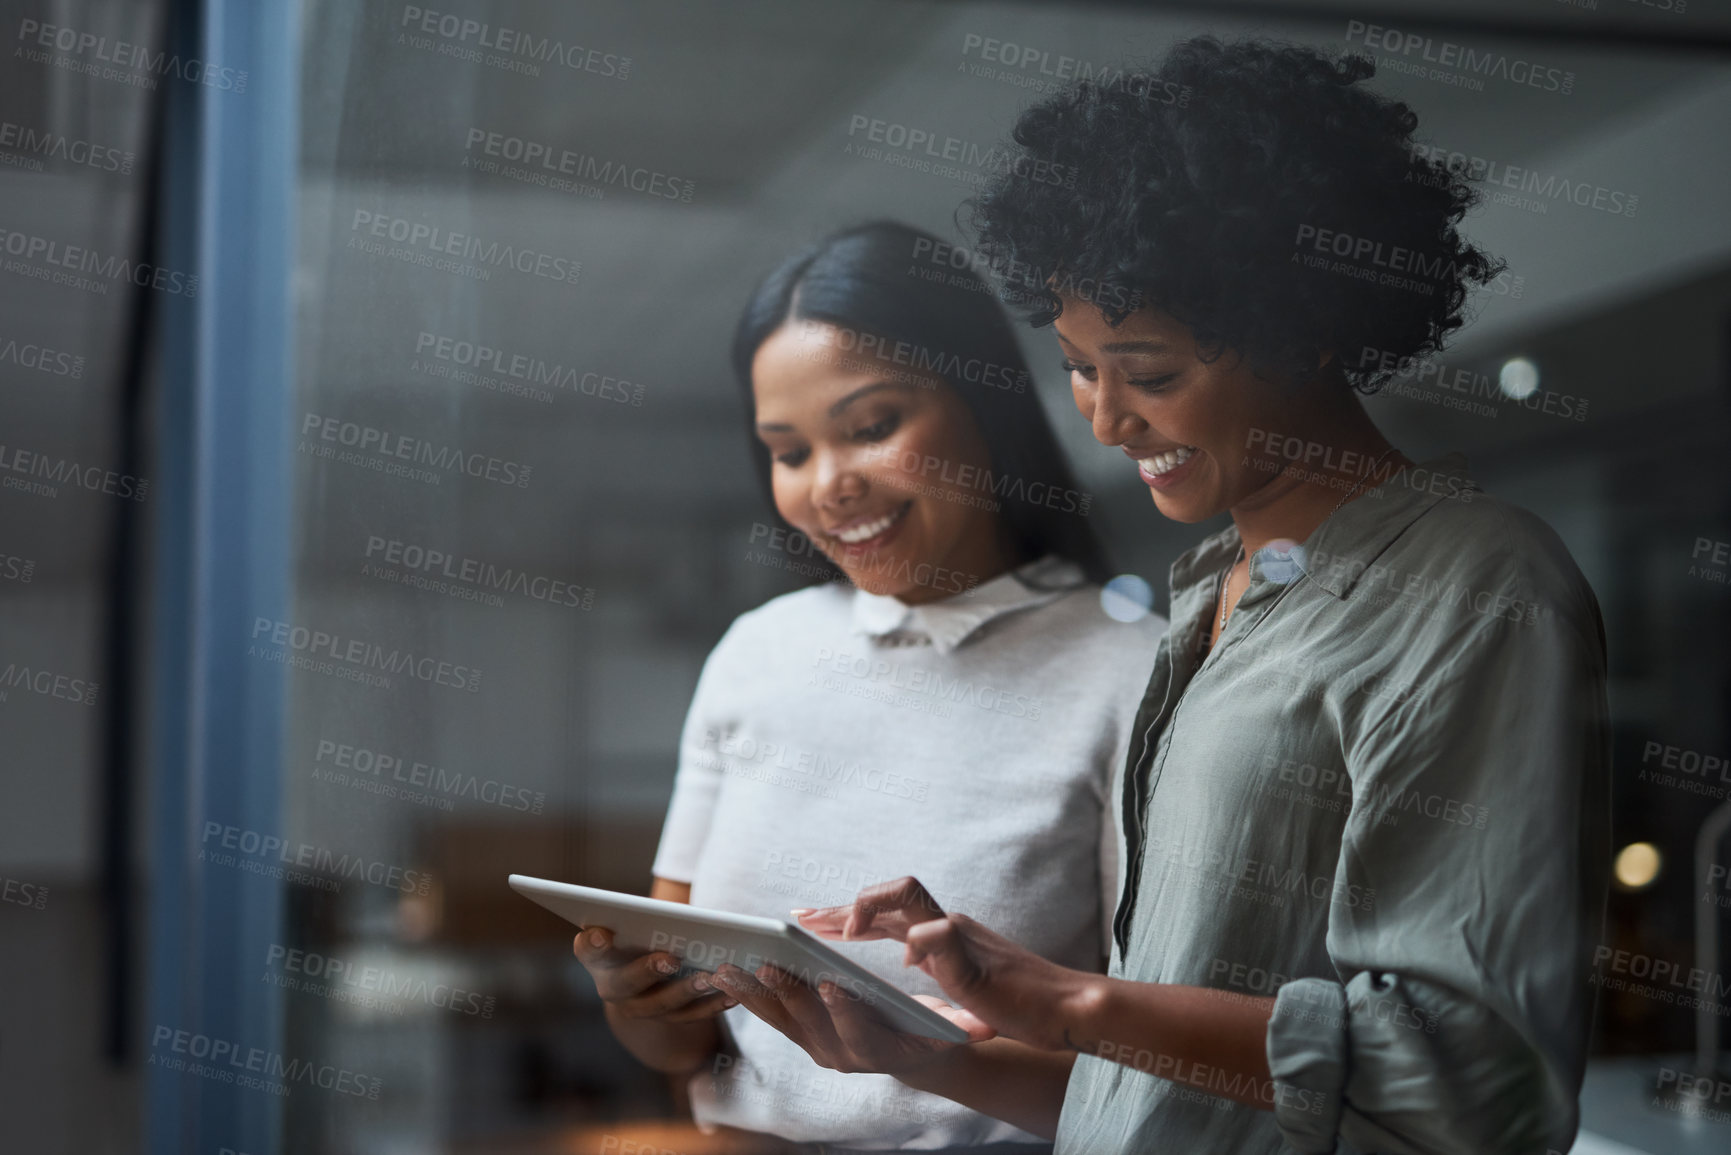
1384 798
839 739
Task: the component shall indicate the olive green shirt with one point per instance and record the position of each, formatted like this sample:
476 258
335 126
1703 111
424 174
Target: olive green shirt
1383 798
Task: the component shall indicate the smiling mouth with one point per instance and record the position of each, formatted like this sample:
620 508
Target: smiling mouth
1166 462
862 532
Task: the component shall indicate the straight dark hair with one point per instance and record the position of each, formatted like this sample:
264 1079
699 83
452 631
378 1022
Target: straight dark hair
880 280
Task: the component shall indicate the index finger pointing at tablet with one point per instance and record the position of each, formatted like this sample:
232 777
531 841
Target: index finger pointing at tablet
886 910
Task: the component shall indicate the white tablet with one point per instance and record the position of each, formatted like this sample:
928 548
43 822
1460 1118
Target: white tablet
705 939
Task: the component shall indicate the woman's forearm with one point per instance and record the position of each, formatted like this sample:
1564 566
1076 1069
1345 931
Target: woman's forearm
1201 1037
1209 1039
673 1048
1002 1078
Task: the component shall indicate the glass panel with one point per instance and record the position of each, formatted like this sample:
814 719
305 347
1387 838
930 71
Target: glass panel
524 507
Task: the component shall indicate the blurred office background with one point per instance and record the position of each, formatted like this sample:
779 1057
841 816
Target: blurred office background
193 826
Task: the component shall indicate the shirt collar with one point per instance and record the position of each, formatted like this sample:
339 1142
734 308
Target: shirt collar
948 622
1342 549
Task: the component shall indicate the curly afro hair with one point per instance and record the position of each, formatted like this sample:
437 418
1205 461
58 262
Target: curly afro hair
1256 192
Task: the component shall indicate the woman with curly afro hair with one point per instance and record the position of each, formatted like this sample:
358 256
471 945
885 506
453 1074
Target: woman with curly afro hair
1366 808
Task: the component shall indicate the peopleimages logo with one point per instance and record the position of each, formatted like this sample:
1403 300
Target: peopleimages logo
1474 65
1699 773
808 1090
360 655
1709 560
1257 880
1660 979
1051 71
931 259
1265 448
1215 1080
919 358
47 683
46 259
880 672
41 358
1545 186
1432 379
1360 249
465 38
545 162
411 561
303 970
366 439
464 253
17 569
58 146
925 150
134 63
354 765
728 750
228 1062
1415 592
1695 1092
273 852
520 367
1388 265
977 478
29 894
55 471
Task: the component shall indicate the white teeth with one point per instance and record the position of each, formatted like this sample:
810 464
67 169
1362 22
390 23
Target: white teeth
1166 462
870 529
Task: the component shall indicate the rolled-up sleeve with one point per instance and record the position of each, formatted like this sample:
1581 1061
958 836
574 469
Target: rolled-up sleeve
1469 893
1308 1064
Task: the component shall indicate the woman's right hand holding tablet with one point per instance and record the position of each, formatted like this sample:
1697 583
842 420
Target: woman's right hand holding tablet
837 1030
999 988
646 985
996 982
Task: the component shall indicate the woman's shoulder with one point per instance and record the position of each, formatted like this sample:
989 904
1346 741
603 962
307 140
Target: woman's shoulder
804 614
1093 641
1494 548
1089 615
1491 533
1061 608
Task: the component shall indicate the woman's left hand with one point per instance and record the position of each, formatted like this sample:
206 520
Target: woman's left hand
1011 989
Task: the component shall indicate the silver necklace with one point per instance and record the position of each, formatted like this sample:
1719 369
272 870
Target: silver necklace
1227 572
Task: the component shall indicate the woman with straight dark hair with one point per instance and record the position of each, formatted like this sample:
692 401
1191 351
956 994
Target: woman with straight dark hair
856 287
1367 809
952 693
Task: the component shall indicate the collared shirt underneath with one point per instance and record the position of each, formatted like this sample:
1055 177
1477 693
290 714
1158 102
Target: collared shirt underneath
946 623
